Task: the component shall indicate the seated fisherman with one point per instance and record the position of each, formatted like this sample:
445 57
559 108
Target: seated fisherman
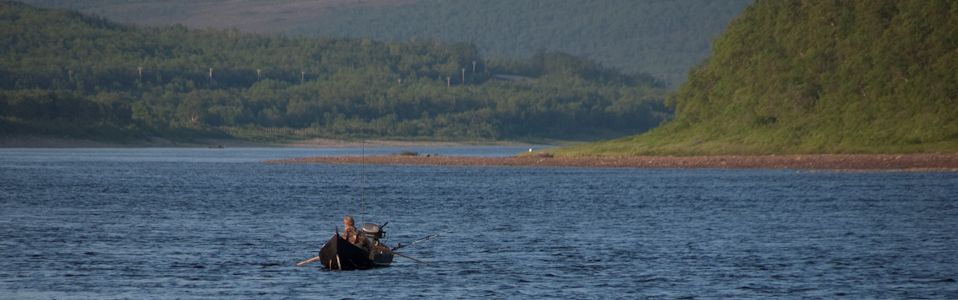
350 234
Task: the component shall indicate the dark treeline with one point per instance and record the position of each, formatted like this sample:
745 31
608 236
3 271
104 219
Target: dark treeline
64 73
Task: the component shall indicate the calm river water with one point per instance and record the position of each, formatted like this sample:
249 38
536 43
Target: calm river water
218 223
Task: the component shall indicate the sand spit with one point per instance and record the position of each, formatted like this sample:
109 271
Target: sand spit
847 162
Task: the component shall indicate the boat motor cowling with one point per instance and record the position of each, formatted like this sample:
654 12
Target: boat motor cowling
373 231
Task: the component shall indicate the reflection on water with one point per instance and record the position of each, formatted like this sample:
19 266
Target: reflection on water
174 223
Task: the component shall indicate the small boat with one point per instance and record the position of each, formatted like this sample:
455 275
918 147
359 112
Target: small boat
339 254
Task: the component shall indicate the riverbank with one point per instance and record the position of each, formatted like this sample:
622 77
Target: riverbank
63 142
848 162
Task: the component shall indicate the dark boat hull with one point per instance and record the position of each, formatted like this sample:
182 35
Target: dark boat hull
338 254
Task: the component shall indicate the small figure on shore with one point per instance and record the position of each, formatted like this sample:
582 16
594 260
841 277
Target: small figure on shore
350 234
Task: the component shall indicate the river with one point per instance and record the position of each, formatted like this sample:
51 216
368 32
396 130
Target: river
219 223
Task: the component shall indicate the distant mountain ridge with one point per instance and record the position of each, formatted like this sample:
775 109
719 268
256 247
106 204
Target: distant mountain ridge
793 76
661 38
272 16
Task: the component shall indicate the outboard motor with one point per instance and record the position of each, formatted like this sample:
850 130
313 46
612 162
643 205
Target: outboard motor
373 233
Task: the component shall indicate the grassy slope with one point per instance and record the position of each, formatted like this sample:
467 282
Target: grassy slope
817 77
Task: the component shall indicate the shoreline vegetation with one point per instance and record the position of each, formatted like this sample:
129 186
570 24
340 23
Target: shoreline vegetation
833 162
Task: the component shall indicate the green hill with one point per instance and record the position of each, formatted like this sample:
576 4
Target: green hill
661 38
65 74
817 77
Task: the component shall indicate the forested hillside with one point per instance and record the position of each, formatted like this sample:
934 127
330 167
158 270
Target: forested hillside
66 74
819 77
661 38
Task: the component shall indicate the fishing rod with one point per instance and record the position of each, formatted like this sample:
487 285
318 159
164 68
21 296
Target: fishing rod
413 259
400 245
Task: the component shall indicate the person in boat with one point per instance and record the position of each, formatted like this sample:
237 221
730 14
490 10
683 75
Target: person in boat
350 234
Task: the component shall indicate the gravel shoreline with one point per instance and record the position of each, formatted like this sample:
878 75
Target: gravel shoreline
849 162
